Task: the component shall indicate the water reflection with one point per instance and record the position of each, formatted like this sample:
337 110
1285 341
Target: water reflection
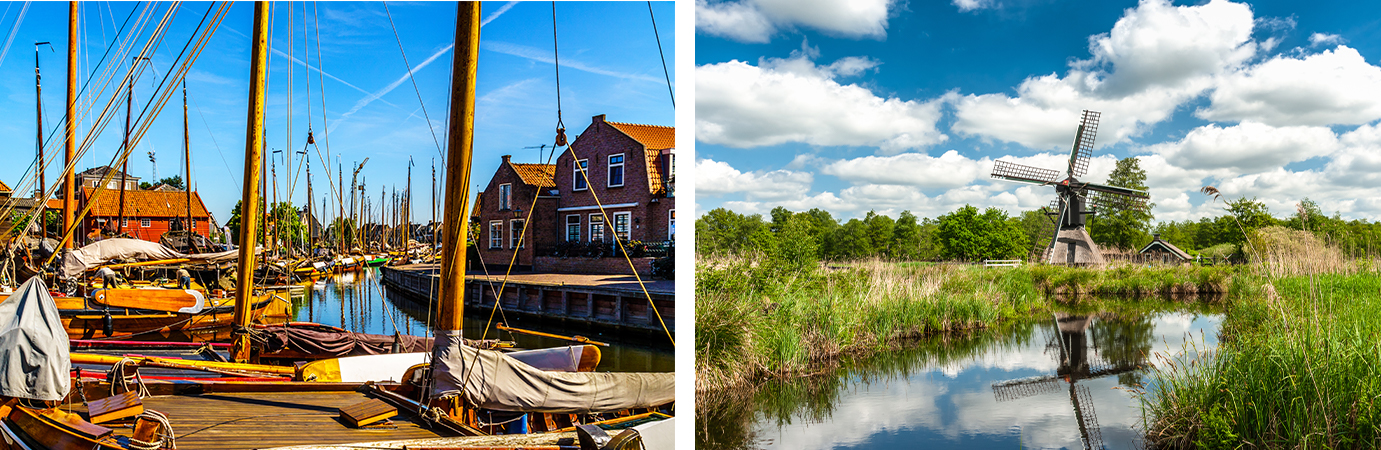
1055 381
357 301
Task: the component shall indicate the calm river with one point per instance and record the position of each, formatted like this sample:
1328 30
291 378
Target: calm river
1059 380
358 302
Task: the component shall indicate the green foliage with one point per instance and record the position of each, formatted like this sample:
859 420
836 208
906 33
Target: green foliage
1122 227
722 231
967 235
52 222
173 181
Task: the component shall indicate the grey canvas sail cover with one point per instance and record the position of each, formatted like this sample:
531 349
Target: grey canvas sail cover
33 345
493 380
80 260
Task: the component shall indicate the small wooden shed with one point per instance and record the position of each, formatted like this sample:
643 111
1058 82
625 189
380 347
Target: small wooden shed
1164 252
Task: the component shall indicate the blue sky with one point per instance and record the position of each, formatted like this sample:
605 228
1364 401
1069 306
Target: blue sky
889 106
609 57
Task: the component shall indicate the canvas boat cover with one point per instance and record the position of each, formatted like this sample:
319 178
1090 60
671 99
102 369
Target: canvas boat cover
493 380
33 345
88 257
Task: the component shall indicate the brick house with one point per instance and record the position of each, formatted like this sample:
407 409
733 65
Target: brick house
630 168
502 209
148 214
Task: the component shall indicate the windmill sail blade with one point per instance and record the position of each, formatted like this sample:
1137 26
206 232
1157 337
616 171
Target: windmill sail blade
1089 430
1025 387
1018 172
1115 197
1083 144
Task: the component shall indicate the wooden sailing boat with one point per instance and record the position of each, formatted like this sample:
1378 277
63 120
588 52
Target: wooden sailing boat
462 392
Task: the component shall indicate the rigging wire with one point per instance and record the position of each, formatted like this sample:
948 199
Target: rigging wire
14 30
660 53
414 80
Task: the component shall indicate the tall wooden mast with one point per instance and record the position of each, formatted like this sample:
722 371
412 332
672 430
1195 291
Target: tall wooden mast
187 176
254 141
69 176
459 146
38 94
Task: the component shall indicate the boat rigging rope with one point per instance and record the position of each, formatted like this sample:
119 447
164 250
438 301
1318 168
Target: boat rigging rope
165 435
117 372
660 53
414 82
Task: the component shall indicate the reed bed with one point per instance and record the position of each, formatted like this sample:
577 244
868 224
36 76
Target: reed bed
1134 280
755 320
1302 367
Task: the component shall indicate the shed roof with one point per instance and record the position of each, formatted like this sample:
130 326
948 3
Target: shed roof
1158 242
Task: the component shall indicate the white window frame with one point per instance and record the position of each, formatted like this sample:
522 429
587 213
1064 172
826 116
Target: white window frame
671 225
581 165
194 224
596 220
513 241
505 196
627 225
495 239
145 222
124 222
577 227
609 171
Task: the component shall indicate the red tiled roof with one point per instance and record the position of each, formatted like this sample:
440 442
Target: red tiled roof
145 203
4 188
475 210
540 175
654 137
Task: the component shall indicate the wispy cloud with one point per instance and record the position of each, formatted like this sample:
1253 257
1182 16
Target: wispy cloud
496 14
309 67
544 56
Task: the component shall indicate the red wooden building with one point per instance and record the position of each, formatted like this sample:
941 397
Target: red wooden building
148 214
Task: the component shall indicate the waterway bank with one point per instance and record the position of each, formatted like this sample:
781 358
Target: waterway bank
756 320
1061 378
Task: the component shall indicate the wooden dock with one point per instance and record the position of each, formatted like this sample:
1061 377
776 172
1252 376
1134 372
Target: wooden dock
613 301
262 420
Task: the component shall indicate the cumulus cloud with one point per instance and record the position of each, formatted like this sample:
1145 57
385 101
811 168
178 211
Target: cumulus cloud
795 100
758 20
912 169
1318 39
971 5
717 177
1156 57
1248 147
1335 86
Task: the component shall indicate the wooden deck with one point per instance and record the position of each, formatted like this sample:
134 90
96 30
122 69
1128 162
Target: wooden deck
262 420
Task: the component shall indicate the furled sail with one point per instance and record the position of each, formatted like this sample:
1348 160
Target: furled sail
33 345
493 380
88 257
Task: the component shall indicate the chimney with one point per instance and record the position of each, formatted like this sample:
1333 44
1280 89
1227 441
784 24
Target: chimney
597 119
506 158
1156 236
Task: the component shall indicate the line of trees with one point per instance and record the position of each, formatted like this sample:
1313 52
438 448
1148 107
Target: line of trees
969 234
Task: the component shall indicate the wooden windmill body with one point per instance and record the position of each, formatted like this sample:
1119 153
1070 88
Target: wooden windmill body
1070 242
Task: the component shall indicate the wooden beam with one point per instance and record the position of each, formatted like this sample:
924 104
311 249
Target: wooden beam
460 145
249 203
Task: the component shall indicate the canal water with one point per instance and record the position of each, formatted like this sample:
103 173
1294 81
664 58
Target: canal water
1060 380
357 301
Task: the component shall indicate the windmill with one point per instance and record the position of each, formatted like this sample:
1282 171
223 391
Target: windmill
1070 243
1071 346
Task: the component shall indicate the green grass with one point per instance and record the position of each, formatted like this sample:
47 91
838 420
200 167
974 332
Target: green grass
756 319
1301 369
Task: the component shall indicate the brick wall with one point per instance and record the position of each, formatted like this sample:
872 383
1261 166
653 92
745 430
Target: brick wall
540 232
612 266
595 145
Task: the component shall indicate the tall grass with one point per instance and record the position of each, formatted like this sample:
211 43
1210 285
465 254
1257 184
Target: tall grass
755 319
1302 367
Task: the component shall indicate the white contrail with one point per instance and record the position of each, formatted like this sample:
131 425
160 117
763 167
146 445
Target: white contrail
544 56
496 14
391 86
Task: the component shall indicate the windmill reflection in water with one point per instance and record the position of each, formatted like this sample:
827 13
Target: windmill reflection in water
1079 356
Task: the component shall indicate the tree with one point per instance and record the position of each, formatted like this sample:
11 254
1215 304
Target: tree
1037 226
851 241
173 181
1119 226
969 236
906 237
724 231
794 247
880 229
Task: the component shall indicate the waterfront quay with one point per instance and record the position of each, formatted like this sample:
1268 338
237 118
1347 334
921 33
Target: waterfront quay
607 301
